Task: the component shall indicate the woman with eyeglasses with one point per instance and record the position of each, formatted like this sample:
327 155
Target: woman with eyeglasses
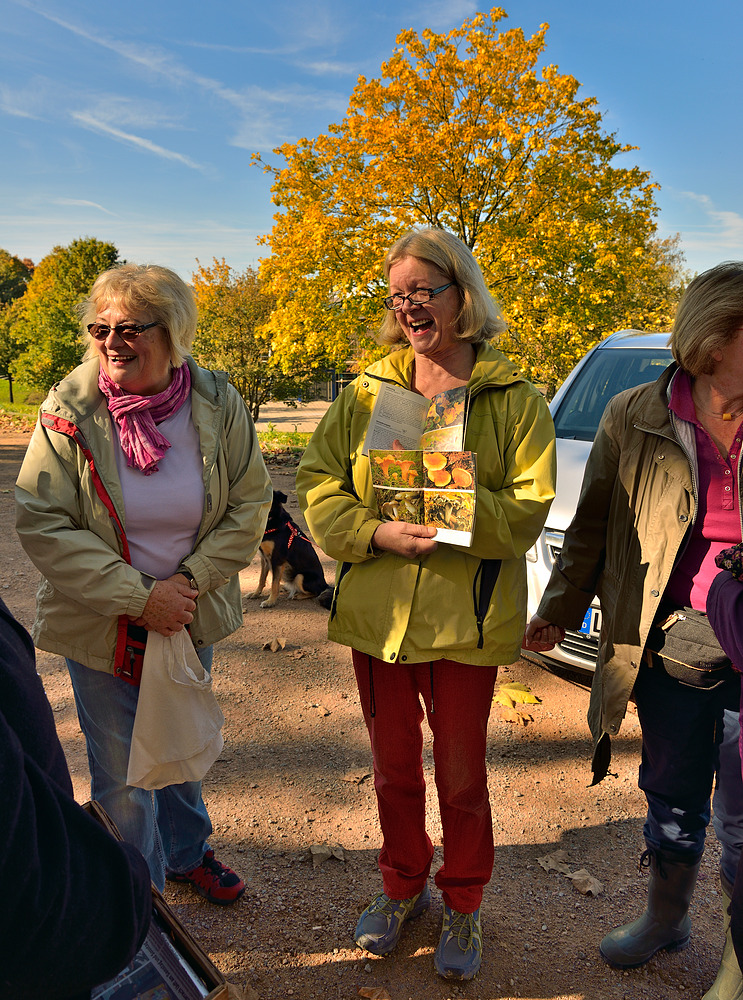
142 495
429 621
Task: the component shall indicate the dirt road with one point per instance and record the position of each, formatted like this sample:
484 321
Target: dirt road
296 773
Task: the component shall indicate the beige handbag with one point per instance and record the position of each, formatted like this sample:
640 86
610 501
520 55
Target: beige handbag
177 732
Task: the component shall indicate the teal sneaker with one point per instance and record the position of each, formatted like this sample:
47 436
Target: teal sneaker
459 951
380 925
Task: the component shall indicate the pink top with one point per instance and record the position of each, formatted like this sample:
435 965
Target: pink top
717 523
163 512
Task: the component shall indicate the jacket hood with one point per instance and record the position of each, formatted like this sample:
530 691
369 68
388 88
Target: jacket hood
77 396
492 367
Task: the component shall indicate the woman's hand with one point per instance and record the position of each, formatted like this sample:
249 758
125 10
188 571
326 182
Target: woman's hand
409 540
170 606
542 635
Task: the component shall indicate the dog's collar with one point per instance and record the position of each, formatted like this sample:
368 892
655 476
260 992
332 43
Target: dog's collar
294 532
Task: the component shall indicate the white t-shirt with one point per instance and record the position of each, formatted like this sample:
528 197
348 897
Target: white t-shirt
163 511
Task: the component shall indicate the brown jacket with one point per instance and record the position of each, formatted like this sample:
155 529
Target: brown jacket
637 502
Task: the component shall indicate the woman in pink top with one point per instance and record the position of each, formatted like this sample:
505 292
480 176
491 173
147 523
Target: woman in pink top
660 499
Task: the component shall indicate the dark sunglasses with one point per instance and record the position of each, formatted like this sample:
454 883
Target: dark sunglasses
127 331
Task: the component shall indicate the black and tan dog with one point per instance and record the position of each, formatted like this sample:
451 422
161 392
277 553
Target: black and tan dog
291 558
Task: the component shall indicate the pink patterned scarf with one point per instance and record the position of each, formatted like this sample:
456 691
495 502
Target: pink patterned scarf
135 417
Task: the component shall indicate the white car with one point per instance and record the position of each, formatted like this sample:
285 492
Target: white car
625 359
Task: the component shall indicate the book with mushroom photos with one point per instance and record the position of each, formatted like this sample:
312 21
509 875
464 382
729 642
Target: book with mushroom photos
434 483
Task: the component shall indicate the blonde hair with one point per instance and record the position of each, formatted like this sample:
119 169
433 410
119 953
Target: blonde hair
479 316
151 288
708 316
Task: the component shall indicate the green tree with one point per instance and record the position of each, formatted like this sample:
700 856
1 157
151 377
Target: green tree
463 132
234 334
46 327
9 349
15 275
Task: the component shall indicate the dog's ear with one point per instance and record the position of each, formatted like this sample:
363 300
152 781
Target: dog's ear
281 497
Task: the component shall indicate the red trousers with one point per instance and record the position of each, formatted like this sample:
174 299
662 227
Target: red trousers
391 702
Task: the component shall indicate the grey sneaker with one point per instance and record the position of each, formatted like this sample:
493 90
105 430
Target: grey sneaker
459 951
380 925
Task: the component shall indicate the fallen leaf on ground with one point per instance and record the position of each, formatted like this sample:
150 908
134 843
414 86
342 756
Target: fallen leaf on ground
519 694
323 852
555 862
515 714
581 879
374 992
586 883
275 644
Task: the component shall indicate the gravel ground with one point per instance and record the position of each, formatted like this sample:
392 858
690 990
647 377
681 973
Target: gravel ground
295 778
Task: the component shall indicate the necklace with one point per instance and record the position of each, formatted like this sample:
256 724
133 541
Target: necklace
720 414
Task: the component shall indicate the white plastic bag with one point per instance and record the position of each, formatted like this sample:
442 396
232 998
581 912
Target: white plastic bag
177 732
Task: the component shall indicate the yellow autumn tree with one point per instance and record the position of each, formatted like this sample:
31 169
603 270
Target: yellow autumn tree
463 131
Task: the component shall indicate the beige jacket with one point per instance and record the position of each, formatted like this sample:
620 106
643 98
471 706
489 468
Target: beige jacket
72 523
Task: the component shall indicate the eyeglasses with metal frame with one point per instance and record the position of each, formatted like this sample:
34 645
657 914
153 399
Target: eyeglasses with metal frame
127 331
417 298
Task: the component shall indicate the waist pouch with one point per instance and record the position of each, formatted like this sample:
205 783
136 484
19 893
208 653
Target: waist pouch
130 647
683 644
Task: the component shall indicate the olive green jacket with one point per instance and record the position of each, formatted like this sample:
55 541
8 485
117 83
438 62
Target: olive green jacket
419 610
72 523
637 502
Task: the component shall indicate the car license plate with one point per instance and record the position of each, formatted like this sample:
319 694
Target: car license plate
591 623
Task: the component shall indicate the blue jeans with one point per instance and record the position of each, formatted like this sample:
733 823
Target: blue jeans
170 826
682 749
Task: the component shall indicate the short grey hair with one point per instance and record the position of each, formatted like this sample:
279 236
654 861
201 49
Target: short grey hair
708 316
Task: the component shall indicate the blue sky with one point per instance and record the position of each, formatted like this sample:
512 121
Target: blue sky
135 122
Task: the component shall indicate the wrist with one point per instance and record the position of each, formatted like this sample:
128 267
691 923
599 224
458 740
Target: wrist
184 571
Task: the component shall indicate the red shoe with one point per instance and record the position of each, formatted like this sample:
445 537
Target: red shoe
213 880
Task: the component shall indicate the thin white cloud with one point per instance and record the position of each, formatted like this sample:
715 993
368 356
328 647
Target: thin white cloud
82 203
9 106
244 50
327 67
29 101
125 112
262 128
97 125
723 232
148 57
255 128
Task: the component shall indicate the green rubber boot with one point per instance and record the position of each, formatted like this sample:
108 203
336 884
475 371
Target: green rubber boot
729 982
665 922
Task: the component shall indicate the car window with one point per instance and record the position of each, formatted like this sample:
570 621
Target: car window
605 373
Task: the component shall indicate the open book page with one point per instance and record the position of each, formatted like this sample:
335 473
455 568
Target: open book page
444 427
398 415
437 488
157 972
